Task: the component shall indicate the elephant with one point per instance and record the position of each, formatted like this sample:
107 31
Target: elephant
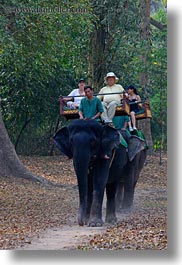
87 143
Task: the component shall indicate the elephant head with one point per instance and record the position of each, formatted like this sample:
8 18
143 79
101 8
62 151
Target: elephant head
100 139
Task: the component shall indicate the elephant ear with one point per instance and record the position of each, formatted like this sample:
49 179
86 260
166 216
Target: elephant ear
61 140
135 145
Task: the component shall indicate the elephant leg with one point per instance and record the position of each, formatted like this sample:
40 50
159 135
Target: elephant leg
119 196
131 177
82 219
110 206
83 195
128 189
96 209
128 200
99 184
90 194
81 165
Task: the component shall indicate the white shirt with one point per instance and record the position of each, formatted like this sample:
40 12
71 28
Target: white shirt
116 88
75 92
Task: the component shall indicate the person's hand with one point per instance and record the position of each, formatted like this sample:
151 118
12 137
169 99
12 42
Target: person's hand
73 106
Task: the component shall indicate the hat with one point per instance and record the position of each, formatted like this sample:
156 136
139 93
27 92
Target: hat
81 80
111 74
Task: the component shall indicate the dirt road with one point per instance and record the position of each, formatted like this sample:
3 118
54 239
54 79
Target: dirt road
34 216
65 238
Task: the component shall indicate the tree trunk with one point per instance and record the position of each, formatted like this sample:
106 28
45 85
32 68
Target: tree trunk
10 165
21 132
144 125
97 60
144 8
101 39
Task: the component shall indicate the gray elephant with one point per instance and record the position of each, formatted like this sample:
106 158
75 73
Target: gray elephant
88 143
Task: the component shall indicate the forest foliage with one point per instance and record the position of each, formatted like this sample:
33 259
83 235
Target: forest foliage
45 48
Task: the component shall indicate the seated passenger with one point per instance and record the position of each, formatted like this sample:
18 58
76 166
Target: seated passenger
76 92
90 106
110 102
135 106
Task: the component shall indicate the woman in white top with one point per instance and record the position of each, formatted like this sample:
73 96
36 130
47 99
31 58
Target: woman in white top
76 92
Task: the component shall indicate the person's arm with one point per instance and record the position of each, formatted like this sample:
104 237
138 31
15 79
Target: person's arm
81 115
99 108
100 96
80 112
96 116
122 90
72 103
70 96
125 95
138 98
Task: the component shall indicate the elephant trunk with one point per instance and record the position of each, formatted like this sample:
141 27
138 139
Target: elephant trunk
81 159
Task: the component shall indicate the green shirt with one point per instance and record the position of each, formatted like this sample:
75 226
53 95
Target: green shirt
119 121
90 108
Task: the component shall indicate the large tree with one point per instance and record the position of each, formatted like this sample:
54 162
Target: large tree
109 17
144 8
10 164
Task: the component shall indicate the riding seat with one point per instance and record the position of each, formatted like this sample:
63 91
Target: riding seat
121 110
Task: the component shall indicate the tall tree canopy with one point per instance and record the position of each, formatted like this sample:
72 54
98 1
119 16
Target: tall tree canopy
45 50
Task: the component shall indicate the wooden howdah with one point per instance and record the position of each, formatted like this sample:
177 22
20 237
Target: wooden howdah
122 110
146 112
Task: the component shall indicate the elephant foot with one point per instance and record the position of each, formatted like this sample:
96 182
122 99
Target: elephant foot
82 220
127 209
119 209
96 222
127 205
111 219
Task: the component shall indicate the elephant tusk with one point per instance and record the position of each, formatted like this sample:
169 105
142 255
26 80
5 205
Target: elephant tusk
106 157
113 155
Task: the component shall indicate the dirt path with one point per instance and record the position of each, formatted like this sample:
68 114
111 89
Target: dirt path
65 238
38 217
70 236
